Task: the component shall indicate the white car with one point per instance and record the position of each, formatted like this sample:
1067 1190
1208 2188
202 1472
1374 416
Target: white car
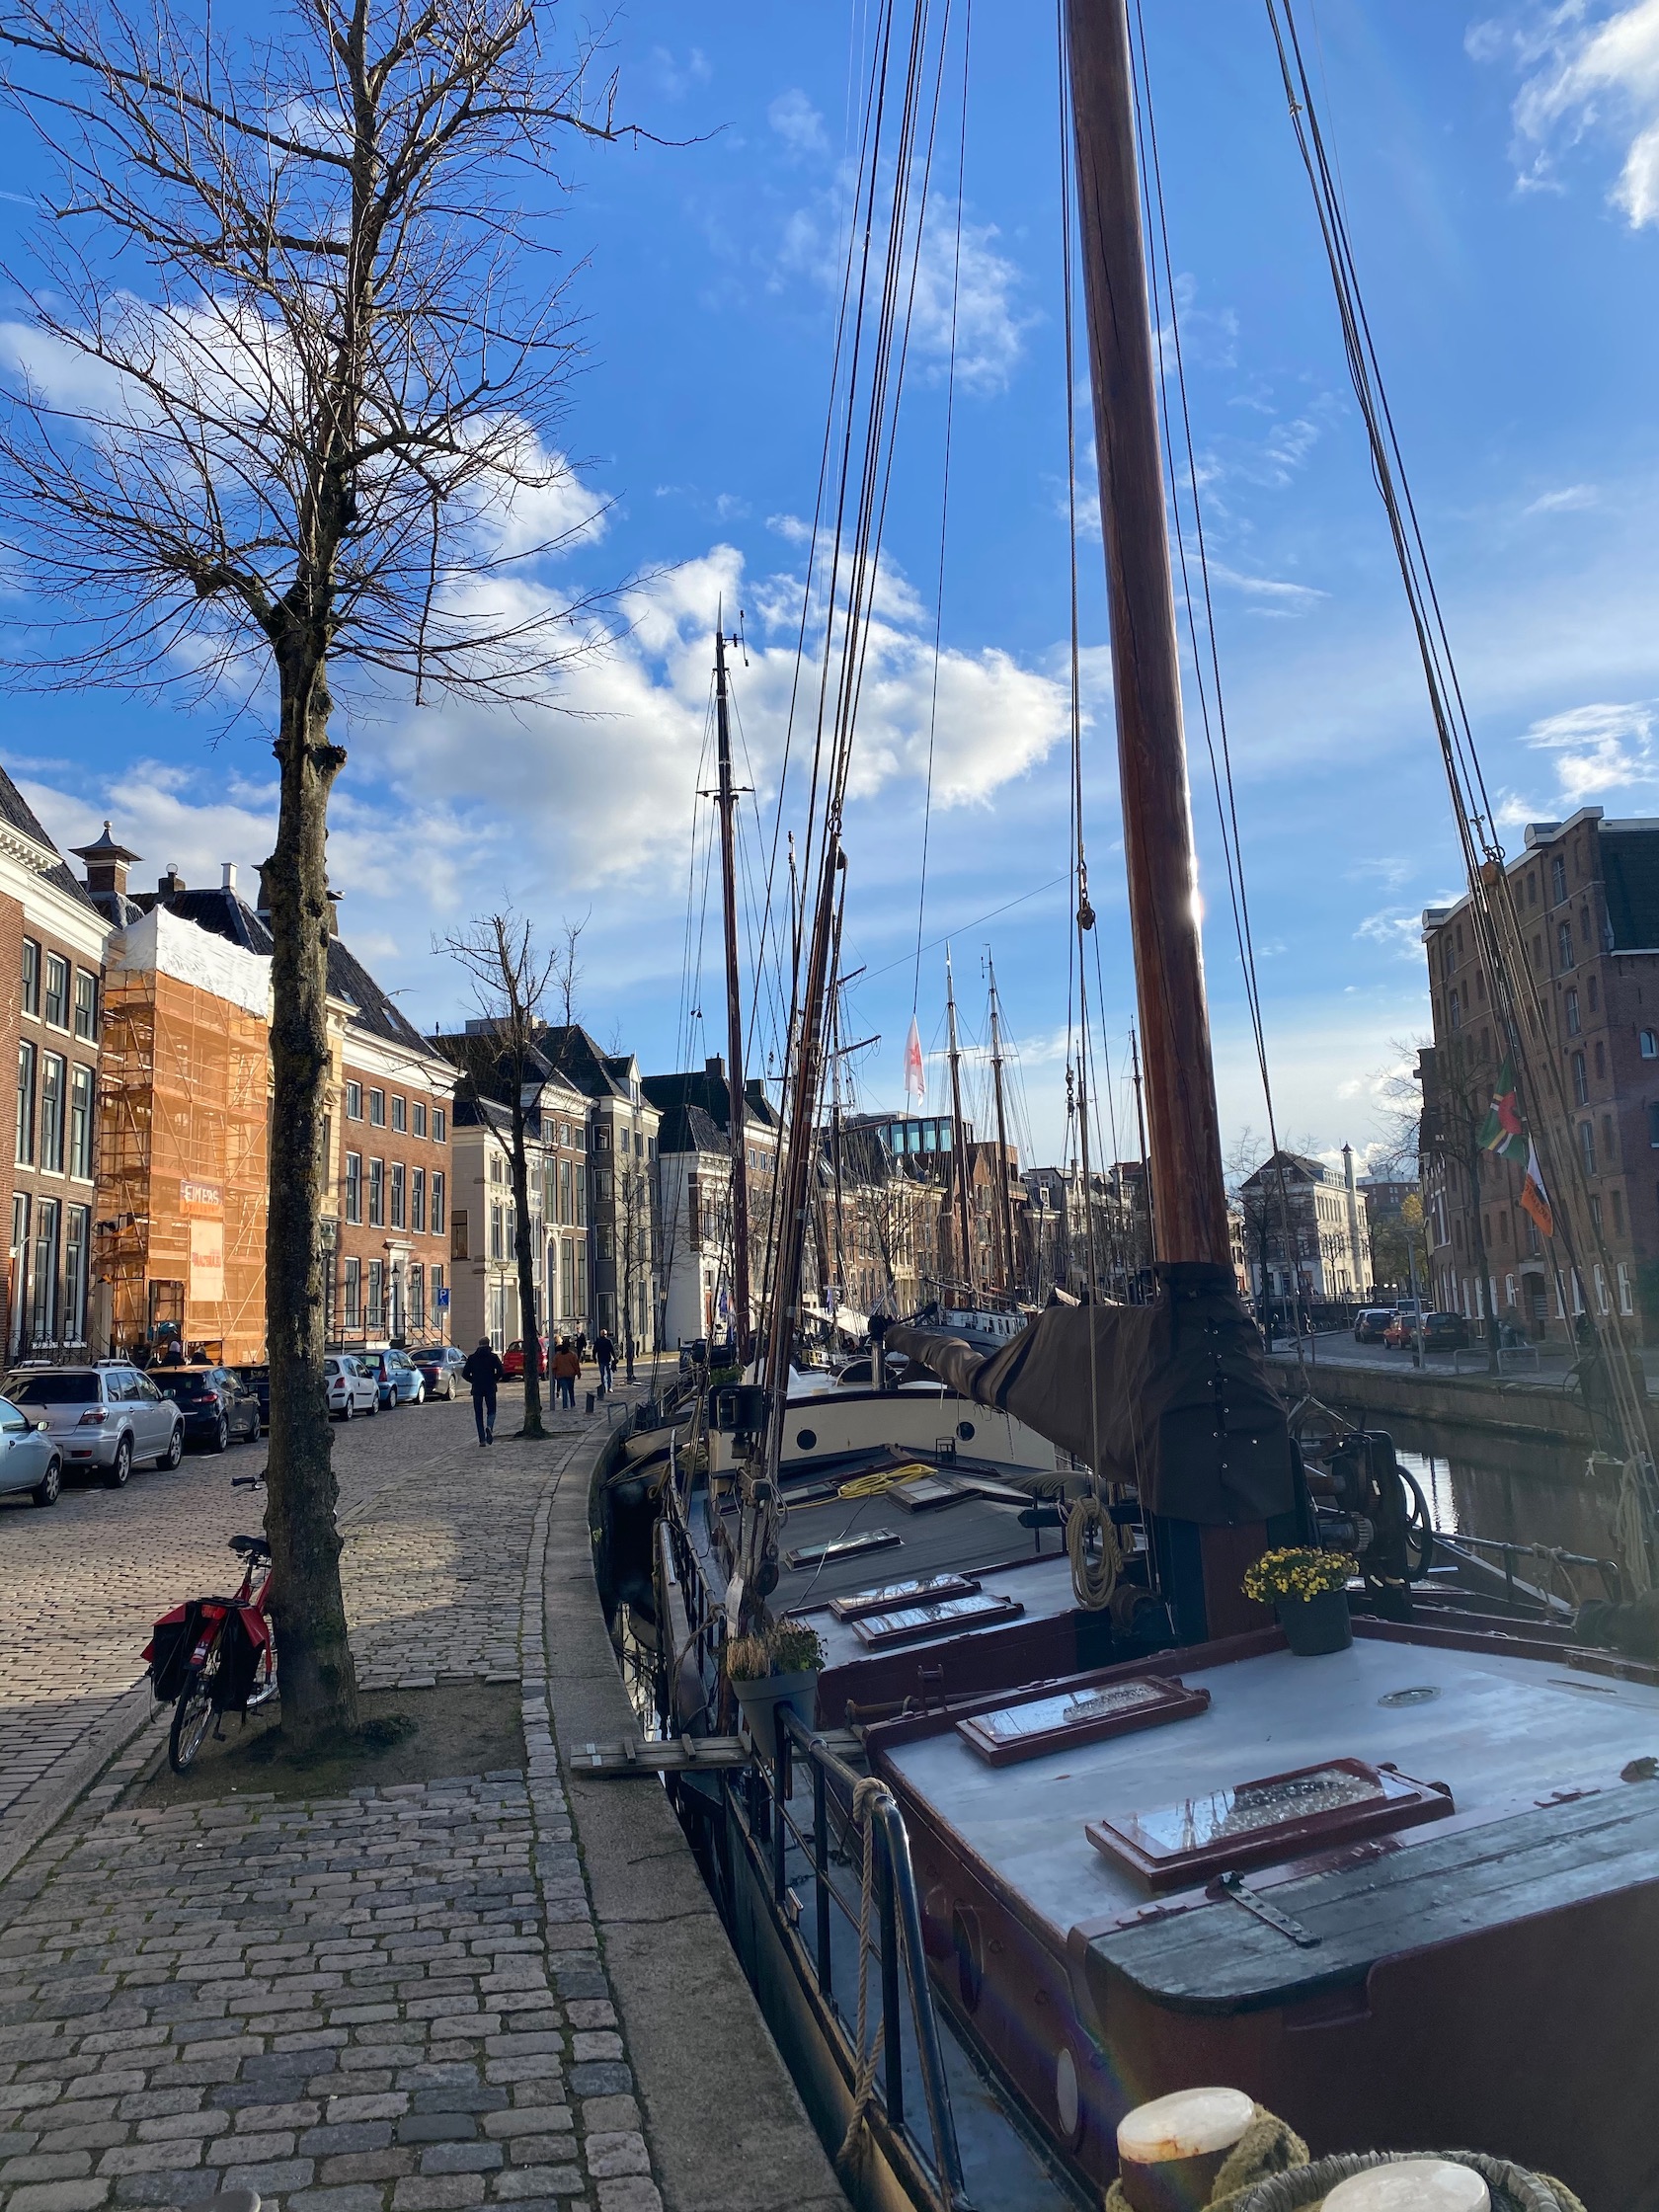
351 1389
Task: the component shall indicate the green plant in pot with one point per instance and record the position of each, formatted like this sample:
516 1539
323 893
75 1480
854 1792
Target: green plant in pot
1307 1590
779 1666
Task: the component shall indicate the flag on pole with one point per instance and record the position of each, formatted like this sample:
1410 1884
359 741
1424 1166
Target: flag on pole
916 1081
1534 1200
1503 1131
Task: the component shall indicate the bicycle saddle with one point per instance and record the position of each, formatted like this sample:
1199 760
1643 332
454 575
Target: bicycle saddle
251 1547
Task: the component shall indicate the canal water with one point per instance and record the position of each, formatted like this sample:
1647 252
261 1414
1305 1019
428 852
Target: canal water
1510 1492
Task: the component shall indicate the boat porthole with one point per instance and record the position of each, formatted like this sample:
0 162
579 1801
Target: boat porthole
806 1438
970 1954
965 1430
1069 2104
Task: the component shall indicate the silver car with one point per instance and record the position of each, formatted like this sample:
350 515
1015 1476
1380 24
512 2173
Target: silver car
106 1417
30 1458
350 1387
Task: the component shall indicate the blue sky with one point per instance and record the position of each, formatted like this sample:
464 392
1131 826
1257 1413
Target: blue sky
1501 177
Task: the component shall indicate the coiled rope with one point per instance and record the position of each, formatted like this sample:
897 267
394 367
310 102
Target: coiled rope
1093 1580
1267 2147
1513 2189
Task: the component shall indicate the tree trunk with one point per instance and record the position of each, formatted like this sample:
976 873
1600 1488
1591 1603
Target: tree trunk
530 1322
319 1680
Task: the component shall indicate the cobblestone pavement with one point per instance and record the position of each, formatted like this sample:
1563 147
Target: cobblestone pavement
387 2002
435 1533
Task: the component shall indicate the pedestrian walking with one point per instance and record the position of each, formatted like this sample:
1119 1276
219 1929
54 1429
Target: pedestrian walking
580 1344
565 1368
605 1353
483 1370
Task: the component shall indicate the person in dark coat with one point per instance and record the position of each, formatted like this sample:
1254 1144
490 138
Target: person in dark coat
604 1351
483 1370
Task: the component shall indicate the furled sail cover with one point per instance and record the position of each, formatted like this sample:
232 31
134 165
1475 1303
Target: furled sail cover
1176 1397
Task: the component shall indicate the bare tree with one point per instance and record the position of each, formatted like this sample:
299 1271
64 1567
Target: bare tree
511 981
287 431
568 965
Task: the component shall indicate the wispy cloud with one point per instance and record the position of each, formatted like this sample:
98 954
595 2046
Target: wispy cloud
1272 595
1566 500
797 123
1583 75
1396 930
1598 747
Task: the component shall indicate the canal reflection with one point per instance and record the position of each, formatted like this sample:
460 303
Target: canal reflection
1513 1493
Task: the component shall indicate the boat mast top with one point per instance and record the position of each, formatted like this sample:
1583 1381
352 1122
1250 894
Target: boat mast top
726 799
959 1139
1006 1206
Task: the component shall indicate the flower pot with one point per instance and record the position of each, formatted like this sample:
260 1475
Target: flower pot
758 1702
1314 1625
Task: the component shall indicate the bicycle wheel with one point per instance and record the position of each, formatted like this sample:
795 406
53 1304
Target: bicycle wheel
193 1715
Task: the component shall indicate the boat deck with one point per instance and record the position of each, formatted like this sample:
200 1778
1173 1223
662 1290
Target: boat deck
1506 1733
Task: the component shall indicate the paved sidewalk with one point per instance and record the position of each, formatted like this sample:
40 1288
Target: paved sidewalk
386 2002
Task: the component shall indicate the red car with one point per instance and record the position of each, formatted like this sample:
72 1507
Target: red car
513 1360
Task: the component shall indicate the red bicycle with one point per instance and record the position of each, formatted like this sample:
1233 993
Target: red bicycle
211 1656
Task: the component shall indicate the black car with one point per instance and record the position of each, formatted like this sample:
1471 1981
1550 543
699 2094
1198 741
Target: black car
257 1379
214 1400
1444 1332
1372 1323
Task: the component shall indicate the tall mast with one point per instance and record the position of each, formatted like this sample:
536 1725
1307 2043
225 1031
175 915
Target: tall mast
959 1139
1005 1206
726 799
1141 1131
1189 1199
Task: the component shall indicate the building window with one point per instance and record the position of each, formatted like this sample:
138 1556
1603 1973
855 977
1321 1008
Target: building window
54 1083
354 1102
1565 946
419 1112
1572 1013
601 1139
376 1194
566 1209
418 1202
498 1168
418 1297
1649 1045
374 1317
353 1185
1624 1305
77 1245
25 1105
1593 986
440 1122
377 1109
57 990
1557 879
1456 1011
567 1280
398 1208
86 1006
43 1316
400 1116
1580 1081
1601 1059
438 1307
1617 1212
1587 1146
30 976
354 1293
459 1248
497 1250
437 1203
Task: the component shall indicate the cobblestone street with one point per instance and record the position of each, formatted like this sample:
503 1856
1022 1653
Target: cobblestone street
386 2001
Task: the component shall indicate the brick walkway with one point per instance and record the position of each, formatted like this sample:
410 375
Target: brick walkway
387 2002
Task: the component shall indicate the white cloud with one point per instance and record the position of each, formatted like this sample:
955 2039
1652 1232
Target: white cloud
792 527
1396 930
1271 594
1599 748
1584 75
797 123
1568 500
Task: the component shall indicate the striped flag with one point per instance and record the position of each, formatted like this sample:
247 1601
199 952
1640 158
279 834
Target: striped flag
1534 1200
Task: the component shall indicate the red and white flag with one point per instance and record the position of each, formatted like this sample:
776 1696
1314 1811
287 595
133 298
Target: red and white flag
1534 1199
916 1081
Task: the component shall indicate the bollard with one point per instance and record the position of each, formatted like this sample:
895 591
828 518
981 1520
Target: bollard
1412 2185
1170 2151
590 1401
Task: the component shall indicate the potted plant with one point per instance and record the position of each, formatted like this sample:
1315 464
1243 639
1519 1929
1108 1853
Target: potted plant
779 1667
1307 1590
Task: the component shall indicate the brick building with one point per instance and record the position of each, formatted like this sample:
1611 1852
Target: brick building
1587 892
52 949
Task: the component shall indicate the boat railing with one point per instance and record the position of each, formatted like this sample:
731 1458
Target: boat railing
831 1832
1549 1555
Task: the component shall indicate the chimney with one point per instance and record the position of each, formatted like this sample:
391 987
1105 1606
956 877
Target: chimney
262 904
227 875
170 885
714 1067
106 863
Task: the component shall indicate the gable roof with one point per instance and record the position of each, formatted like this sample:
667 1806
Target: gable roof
687 1129
16 810
707 1089
347 978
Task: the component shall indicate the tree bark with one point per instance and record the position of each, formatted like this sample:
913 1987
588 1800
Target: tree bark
529 1324
319 1680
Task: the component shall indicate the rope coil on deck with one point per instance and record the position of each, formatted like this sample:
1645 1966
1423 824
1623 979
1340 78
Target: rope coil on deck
1512 2188
1092 1580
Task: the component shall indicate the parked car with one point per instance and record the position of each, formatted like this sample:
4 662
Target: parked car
1401 1332
1372 1323
216 1402
399 1381
105 1417
513 1360
440 1369
351 1386
1444 1332
257 1379
30 1456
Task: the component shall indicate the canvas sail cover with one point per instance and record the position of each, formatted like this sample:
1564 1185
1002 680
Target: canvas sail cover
1174 1397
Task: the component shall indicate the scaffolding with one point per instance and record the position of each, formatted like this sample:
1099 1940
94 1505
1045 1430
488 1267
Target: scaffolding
185 1087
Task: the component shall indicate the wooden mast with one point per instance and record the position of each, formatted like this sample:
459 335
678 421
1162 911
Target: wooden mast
726 799
959 1141
1005 1208
1189 1199
1199 1567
